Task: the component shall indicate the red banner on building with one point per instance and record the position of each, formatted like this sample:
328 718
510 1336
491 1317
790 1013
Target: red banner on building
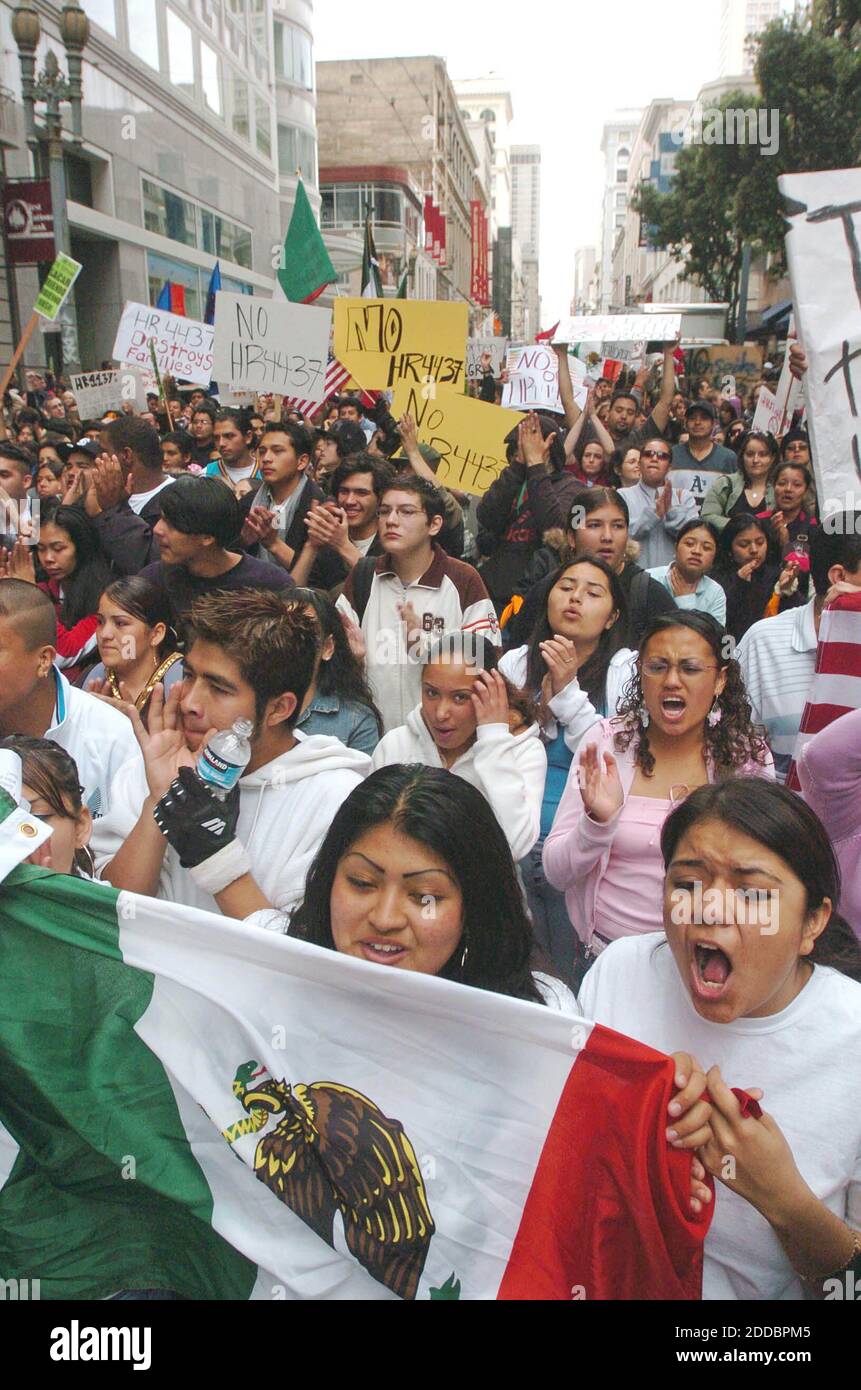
28 221
480 278
429 224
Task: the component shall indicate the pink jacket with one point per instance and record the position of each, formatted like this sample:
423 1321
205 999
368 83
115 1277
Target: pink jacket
577 850
829 771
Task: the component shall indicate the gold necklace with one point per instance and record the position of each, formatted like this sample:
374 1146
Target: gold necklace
161 669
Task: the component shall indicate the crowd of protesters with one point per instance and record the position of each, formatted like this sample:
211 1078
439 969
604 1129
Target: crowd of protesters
550 711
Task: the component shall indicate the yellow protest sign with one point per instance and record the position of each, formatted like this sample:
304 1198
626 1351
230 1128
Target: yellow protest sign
382 342
468 434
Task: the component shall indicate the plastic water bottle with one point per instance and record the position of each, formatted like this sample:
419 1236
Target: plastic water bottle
224 759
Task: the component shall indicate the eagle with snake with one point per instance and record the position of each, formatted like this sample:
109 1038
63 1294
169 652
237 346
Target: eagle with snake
334 1151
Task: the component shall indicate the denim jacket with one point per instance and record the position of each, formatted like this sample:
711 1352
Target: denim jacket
348 720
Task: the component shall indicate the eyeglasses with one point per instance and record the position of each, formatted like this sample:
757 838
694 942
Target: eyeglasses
386 512
654 454
657 668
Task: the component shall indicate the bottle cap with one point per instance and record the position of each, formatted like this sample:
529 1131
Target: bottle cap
243 728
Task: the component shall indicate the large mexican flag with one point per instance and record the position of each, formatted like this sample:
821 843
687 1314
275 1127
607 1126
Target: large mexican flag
191 1104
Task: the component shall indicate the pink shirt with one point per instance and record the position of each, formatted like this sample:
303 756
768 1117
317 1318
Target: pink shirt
629 898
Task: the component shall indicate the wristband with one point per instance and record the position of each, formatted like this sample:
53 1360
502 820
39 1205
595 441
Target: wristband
221 869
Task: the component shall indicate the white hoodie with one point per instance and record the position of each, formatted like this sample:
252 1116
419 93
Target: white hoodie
508 769
285 809
571 709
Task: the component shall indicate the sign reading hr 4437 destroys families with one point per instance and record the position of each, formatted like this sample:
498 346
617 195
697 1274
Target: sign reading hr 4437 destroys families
183 347
271 345
468 434
823 247
421 342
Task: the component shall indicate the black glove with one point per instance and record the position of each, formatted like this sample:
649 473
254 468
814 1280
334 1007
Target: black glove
195 822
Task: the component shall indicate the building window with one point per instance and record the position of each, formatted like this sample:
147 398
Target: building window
239 107
263 125
621 200
297 149
348 208
168 214
388 206
621 176
180 53
327 207
293 56
101 12
210 77
161 269
143 30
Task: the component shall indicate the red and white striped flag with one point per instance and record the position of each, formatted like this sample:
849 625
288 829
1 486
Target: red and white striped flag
836 686
336 375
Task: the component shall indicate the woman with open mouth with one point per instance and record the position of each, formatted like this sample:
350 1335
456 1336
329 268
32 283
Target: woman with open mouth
757 977
685 722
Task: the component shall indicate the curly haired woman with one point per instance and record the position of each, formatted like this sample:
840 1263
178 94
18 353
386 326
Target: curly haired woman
685 721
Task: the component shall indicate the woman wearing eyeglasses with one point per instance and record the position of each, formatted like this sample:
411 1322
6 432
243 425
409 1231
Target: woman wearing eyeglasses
685 721
657 510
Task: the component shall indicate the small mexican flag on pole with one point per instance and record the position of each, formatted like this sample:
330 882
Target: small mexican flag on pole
372 284
306 269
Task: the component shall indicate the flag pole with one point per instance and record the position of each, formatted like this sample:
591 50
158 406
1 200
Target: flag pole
160 383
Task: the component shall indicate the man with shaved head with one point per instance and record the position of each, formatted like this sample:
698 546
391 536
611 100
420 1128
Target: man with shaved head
37 700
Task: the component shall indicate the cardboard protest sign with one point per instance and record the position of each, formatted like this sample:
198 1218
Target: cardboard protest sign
382 342
468 434
618 328
183 347
823 247
497 347
533 378
55 291
271 345
98 392
741 361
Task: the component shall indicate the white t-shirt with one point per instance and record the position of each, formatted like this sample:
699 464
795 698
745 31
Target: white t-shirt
138 500
806 1059
365 545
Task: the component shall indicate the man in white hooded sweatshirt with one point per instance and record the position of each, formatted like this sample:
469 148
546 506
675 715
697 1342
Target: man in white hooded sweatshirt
252 655
464 723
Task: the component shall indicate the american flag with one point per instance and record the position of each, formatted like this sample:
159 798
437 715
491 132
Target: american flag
336 375
836 686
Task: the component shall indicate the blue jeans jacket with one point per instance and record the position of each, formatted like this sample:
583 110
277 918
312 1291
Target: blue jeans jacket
348 720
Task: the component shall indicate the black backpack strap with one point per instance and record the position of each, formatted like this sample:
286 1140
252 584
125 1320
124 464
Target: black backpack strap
639 601
363 578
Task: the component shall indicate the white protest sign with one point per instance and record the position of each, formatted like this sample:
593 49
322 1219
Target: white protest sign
497 347
768 415
618 328
183 347
823 247
533 378
271 345
98 392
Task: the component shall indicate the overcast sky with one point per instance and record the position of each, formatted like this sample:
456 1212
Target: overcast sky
568 68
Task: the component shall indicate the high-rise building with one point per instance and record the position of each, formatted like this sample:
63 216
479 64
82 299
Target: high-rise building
740 22
485 104
585 281
616 144
196 118
526 228
402 113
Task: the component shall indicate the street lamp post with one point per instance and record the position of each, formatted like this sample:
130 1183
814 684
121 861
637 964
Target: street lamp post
52 88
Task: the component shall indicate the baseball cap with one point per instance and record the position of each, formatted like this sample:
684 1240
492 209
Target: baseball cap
86 445
705 406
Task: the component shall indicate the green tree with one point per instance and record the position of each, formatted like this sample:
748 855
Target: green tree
808 69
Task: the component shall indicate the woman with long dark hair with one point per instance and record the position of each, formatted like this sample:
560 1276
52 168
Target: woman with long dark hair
747 491
577 668
71 559
473 722
685 721
50 786
758 977
404 842
756 584
137 644
340 703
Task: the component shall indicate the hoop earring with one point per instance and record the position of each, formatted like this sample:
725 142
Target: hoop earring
91 870
464 956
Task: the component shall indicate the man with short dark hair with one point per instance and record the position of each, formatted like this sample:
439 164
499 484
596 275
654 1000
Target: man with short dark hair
36 700
412 593
695 463
16 479
253 657
275 515
340 532
234 440
125 492
197 535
